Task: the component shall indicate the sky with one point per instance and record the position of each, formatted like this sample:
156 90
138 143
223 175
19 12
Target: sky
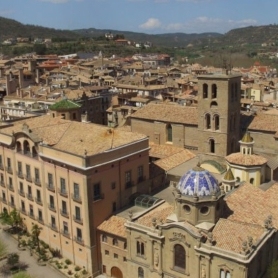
144 16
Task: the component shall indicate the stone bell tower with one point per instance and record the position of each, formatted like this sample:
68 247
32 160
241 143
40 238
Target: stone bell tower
219 114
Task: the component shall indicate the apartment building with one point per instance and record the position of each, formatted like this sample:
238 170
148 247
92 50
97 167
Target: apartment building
68 177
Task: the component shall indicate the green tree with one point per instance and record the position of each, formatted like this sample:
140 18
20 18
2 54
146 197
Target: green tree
15 219
272 271
22 274
36 230
3 249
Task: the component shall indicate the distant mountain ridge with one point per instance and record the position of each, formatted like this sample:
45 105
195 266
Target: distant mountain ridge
247 35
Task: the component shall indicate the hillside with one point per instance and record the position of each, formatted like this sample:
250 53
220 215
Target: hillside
12 28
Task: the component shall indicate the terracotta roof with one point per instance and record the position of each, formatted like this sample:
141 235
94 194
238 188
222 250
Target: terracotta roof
161 151
240 232
114 225
174 160
264 122
168 113
245 159
75 137
161 213
247 204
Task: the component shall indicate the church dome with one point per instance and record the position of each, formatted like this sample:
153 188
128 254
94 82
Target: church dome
198 181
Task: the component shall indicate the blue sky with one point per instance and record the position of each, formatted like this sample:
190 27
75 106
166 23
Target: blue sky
147 16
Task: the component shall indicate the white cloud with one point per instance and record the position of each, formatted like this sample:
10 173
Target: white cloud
151 23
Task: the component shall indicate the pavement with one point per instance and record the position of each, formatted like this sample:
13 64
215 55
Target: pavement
33 269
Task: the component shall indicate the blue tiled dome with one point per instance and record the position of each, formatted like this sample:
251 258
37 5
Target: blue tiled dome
199 181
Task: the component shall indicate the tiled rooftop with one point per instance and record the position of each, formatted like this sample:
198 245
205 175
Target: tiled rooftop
264 122
246 160
168 113
114 225
75 137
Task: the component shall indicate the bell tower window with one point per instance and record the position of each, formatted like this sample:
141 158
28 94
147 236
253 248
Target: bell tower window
208 121
205 90
212 145
213 91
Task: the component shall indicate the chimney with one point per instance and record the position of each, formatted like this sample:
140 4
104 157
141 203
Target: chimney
38 76
47 81
21 93
8 85
20 77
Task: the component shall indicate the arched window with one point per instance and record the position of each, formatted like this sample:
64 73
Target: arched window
238 179
216 122
208 121
140 272
213 104
115 242
213 91
212 145
169 133
26 146
179 257
252 181
205 90
18 147
104 238
140 247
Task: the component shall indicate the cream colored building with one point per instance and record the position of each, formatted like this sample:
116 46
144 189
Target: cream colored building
68 177
202 233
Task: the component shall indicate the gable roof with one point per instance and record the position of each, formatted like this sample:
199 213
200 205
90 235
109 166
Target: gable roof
168 113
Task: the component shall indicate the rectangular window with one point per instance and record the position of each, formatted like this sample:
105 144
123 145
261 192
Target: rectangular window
23 206
106 252
53 222
76 190
63 185
28 172
65 228
115 256
31 211
10 182
1 161
9 164
140 174
19 167
40 215
2 177
64 207
38 195
97 191
79 234
51 202
128 179
37 174
12 200
50 180
113 185
77 213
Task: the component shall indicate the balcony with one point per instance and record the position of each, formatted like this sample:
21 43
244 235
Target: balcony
31 215
79 240
21 193
76 198
38 201
50 187
78 219
20 174
37 181
29 154
3 200
40 220
11 187
2 183
63 192
28 177
65 233
53 227
64 213
9 169
30 197
52 207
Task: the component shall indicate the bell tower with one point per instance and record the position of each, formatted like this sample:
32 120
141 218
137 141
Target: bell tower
219 114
